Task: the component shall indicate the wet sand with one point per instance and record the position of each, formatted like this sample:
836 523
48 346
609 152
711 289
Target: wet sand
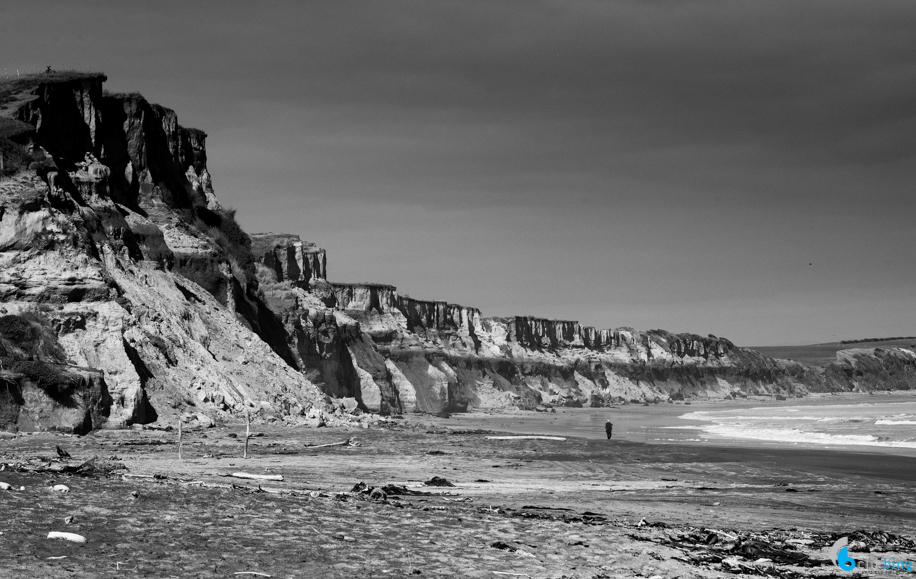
661 423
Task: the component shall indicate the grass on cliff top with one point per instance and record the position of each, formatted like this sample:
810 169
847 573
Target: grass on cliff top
824 354
11 85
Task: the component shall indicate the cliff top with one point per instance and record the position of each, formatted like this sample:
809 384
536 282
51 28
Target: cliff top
10 86
261 243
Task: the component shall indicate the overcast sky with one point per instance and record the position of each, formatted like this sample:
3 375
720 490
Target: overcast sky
741 168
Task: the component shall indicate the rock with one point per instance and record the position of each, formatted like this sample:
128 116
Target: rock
437 481
203 420
348 405
5 486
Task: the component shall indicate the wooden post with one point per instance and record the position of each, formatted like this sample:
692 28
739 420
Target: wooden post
179 438
247 431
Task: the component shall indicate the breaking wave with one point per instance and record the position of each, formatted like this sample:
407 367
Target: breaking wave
800 436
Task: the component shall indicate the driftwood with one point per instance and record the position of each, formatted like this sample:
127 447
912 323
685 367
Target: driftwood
256 476
525 438
347 442
72 537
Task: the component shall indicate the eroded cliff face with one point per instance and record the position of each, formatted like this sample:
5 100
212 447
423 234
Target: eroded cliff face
109 225
290 258
432 356
161 305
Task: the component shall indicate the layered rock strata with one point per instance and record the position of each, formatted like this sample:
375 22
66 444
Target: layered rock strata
161 305
432 356
109 225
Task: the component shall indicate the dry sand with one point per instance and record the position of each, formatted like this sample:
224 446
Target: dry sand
589 498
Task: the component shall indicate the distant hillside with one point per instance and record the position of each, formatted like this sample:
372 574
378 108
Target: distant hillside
824 354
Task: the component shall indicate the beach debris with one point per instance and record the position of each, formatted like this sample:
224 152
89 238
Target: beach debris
526 437
760 553
63 454
438 481
503 546
95 466
5 486
68 520
436 452
60 489
72 537
275 477
347 442
866 541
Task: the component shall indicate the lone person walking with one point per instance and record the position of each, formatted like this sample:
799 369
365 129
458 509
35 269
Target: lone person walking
609 428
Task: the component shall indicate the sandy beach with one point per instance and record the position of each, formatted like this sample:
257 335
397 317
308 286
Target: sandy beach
579 507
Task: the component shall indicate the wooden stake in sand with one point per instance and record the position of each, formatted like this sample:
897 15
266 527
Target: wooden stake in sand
179 438
247 432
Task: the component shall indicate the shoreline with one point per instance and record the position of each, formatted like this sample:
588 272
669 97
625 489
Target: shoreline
663 424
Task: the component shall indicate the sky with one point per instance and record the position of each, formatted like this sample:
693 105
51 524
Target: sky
737 168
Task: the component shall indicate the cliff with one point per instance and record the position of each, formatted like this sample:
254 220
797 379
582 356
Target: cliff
110 230
394 353
150 301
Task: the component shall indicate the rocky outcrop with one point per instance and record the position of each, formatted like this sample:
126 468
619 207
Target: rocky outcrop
365 297
290 258
78 404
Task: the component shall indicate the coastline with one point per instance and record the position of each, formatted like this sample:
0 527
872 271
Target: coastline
664 424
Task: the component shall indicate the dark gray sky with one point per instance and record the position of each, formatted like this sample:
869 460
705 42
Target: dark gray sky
742 168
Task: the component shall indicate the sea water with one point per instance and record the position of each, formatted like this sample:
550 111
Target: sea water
885 423
862 424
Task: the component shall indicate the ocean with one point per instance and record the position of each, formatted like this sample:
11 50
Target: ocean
881 423
863 424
